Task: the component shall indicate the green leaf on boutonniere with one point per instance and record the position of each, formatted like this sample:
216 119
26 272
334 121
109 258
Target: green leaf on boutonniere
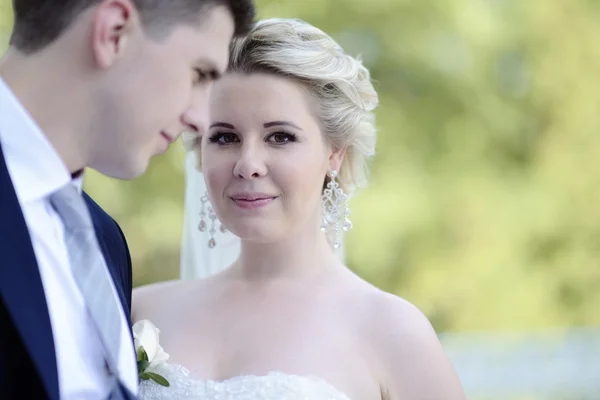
156 378
144 376
142 365
141 354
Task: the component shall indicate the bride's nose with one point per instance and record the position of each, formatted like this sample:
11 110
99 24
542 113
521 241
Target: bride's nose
251 163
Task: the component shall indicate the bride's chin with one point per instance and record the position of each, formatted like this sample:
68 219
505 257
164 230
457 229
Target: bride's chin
253 234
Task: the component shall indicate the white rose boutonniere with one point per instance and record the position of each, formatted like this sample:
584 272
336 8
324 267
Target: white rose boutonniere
148 351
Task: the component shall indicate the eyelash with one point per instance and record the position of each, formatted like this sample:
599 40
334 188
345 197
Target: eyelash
201 75
217 136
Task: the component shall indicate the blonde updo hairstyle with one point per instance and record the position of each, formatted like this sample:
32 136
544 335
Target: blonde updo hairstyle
342 86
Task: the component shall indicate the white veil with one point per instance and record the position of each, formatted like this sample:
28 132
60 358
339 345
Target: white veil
197 259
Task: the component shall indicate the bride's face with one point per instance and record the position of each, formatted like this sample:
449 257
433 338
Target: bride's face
264 157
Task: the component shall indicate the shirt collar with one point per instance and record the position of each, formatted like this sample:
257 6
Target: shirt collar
35 167
78 182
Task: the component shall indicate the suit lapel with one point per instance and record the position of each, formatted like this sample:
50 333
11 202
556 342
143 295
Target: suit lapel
112 269
105 243
21 285
122 394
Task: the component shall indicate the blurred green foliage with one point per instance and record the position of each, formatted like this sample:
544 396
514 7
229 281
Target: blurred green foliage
483 207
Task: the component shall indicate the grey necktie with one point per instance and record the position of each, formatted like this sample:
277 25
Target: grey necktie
90 271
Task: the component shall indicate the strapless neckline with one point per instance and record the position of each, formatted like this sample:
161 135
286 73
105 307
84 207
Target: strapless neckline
274 385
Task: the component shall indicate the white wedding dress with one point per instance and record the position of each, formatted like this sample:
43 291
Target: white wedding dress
273 386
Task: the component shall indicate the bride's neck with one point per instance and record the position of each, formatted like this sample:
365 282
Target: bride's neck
299 255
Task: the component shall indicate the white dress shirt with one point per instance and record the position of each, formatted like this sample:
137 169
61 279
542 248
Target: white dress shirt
37 171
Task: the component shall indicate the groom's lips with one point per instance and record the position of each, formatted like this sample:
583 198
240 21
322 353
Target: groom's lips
170 139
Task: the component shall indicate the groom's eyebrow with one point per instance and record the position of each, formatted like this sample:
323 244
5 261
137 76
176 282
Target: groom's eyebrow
210 68
214 74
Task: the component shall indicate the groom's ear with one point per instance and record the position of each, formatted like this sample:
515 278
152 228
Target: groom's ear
113 22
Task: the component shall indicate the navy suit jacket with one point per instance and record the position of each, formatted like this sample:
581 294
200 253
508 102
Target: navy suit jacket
28 368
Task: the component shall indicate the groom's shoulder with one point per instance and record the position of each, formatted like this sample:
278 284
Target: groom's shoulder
106 226
100 217
95 209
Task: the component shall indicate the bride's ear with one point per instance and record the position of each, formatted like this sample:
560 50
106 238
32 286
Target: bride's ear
336 158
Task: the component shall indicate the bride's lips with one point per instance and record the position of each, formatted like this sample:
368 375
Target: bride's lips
252 200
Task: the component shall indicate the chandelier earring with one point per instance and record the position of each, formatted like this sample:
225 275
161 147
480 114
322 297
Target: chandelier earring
206 211
334 210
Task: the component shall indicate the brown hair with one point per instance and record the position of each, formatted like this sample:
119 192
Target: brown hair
37 23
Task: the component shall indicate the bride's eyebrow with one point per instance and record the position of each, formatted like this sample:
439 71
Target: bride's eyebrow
266 125
281 123
222 125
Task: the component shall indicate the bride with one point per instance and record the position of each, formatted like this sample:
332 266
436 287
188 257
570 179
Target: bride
291 131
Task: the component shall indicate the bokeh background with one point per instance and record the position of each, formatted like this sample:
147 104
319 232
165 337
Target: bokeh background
484 202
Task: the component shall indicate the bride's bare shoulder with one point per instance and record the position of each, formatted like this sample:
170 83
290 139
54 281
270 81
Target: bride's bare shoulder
158 289
410 356
166 296
148 296
161 297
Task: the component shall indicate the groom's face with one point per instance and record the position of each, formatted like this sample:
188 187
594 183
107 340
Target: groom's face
155 90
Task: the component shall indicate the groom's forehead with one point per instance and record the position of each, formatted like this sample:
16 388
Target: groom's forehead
208 38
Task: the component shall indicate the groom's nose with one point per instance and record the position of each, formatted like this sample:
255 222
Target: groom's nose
196 116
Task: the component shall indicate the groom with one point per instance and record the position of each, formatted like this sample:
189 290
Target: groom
105 84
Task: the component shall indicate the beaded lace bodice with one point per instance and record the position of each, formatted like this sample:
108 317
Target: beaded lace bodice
273 386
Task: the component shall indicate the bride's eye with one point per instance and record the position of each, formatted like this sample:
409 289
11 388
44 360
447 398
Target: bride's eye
281 138
223 138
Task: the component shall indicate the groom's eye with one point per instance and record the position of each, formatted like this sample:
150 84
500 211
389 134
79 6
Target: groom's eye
201 75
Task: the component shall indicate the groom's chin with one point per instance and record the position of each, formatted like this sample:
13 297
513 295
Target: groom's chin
130 169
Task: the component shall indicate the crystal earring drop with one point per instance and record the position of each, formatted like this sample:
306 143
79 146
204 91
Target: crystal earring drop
213 218
334 205
202 223
206 211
